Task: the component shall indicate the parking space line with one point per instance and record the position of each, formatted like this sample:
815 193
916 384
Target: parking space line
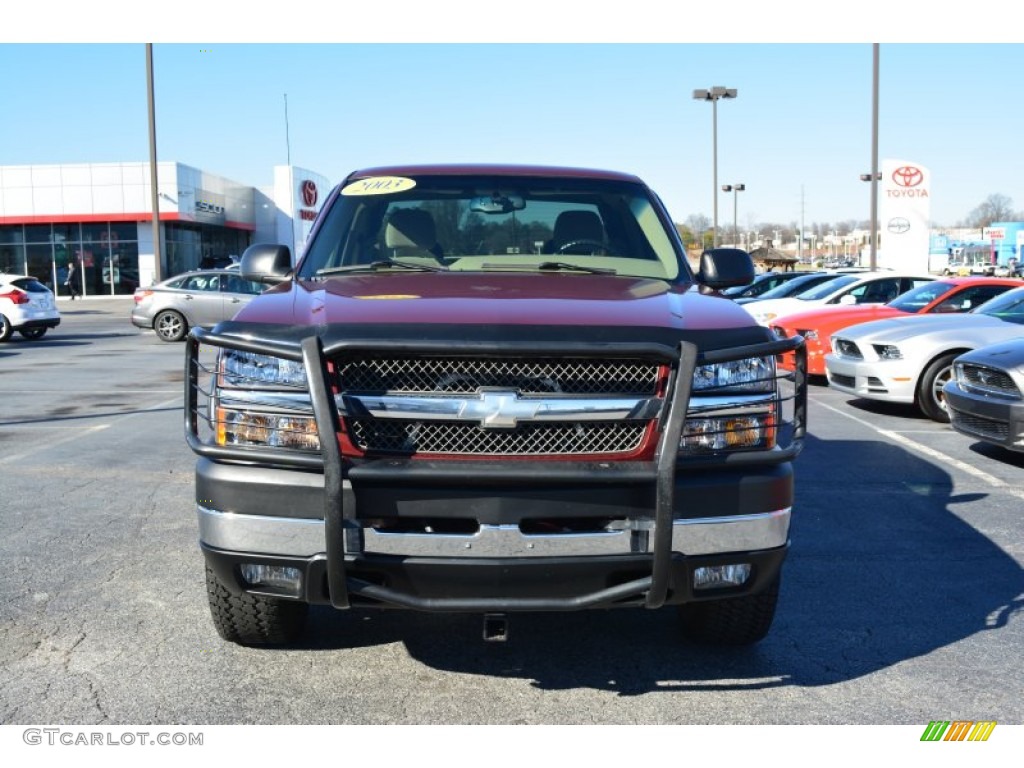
80 433
913 445
53 443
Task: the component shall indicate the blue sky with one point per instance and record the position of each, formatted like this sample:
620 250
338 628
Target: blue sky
798 135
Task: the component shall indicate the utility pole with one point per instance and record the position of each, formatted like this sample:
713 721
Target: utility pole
800 236
153 192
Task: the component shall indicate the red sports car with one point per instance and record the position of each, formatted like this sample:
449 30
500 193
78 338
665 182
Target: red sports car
948 294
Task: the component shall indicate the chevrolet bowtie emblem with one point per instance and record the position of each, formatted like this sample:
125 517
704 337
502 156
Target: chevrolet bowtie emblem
498 409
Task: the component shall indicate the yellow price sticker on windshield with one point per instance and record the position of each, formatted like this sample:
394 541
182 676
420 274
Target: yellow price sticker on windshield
378 185
389 296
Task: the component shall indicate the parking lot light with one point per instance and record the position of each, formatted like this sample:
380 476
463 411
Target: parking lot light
713 95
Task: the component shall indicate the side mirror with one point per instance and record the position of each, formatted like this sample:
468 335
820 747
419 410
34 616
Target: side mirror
725 267
266 263
848 300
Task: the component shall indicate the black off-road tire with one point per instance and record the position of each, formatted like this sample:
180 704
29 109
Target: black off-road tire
254 619
930 399
731 620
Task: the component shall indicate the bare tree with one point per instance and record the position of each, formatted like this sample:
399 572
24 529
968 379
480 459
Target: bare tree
996 207
700 230
698 223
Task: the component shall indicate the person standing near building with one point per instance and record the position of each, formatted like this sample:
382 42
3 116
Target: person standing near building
71 281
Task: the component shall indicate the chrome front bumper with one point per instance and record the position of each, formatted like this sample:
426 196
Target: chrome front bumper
304 538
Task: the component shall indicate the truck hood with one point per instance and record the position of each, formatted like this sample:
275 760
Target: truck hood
472 299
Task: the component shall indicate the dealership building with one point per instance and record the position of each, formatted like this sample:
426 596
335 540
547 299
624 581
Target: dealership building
99 216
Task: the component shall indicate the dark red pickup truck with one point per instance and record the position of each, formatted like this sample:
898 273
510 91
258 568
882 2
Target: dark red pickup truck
493 389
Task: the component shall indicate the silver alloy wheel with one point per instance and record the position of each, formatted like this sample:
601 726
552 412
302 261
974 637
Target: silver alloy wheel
929 396
170 326
939 383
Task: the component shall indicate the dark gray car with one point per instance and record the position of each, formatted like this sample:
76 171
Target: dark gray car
201 298
985 397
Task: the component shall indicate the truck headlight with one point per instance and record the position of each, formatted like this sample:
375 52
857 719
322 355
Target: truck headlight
754 431
733 406
262 400
753 374
245 369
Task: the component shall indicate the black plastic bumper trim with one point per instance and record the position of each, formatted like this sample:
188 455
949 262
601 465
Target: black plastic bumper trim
525 585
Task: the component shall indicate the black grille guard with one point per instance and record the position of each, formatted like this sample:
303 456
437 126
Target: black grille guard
651 590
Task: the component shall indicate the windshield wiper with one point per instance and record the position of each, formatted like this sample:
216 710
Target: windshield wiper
383 264
569 267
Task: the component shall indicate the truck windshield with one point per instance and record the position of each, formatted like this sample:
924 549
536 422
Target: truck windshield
497 223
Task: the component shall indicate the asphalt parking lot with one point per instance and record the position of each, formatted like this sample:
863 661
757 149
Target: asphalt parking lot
901 599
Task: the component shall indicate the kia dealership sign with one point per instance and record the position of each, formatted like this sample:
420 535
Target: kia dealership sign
904 212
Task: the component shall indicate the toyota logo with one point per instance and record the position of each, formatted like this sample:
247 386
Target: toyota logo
907 176
898 226
308 189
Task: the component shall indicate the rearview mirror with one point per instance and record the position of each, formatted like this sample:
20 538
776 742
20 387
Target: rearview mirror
497 203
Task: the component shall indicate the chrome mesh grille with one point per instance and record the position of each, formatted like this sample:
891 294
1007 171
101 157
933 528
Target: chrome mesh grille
409 437
467 376
527 376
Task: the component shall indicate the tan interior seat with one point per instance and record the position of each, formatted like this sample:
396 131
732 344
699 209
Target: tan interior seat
411 232
572 226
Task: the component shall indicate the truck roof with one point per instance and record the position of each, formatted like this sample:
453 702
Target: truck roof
484 169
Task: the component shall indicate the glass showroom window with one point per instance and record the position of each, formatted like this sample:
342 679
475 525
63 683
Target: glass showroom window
12 249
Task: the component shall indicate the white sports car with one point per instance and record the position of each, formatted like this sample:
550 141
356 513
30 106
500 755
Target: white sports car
910 359
856 288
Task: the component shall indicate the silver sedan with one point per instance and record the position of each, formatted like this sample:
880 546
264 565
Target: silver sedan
203 298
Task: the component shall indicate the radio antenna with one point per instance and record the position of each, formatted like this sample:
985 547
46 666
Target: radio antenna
291 177
287 138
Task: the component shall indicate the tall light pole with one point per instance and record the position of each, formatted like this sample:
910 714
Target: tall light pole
875 176
735 189
713 94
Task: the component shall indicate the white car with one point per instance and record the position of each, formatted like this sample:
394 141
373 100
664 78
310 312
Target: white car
26 306
910 359
854 288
